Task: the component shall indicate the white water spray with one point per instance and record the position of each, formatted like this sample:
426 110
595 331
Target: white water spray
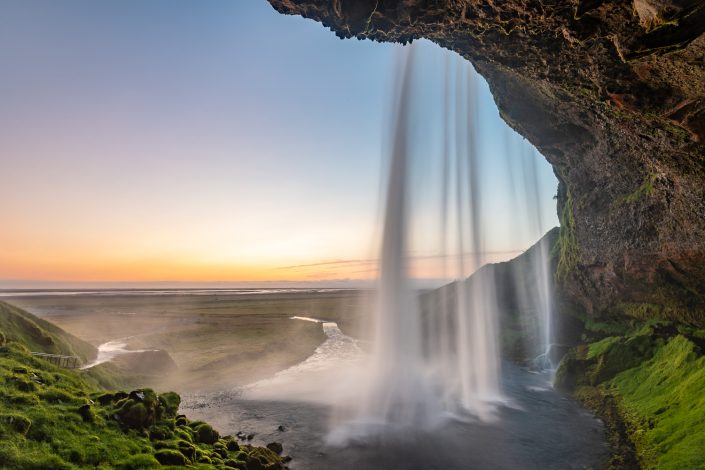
425 367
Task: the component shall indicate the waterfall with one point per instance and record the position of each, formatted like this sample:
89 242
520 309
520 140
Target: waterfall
533 284
436 355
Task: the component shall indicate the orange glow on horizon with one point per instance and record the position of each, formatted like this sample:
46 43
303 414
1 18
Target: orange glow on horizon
165 270
102 269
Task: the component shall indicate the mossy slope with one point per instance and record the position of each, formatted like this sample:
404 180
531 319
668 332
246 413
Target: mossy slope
40 335
663 401
52 418
648 385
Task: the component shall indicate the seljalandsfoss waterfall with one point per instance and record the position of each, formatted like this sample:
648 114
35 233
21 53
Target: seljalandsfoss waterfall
426 364
428 384
352 235
441 360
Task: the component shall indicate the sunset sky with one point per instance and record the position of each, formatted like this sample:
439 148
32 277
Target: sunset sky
194 142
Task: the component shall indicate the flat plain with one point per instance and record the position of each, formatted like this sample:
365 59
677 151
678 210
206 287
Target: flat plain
218 339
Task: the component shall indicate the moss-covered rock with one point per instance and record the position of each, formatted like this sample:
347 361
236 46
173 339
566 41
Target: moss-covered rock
662 400
15 422
204 433
589 365
52 418
170 457
86 413
275 447
181 420
184 432
160 433
139 410
138 462
169 402
232 445
261 458
237 464
647 387
107 398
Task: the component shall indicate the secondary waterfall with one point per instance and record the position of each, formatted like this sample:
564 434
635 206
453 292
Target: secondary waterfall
436 354
533 285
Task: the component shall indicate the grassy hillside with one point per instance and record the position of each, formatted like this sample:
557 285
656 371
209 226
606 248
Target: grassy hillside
40 335
648 386
52 418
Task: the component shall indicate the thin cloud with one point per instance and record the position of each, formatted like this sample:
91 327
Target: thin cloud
349 262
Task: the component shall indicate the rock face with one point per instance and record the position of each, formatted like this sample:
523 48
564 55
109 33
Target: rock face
613 95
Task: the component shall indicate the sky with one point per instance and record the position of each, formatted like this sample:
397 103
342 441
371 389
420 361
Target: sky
188 142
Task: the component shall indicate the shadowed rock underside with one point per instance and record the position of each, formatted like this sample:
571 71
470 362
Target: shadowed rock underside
613 95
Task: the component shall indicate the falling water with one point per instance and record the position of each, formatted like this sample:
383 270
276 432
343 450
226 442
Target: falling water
533 285
436 356
419 374
399 391
544 306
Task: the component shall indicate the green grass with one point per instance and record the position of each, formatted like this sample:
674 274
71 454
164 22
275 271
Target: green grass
57 436
664 401
654 380
568 251
40 335
605 326
53 418
601 347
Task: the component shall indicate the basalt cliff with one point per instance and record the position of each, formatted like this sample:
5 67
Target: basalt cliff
612 93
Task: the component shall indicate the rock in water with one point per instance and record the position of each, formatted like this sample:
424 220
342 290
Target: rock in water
275 447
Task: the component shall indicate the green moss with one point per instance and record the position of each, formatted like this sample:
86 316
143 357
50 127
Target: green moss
160 433
238 464
138 462
663 400
15 422
53 425
54 418
170 457
645 189
599 348
205 434
107 376
641 311
588 93
232 445
605 326
658 312
567 245
681 135
264 455
647 386
170 402
623 452
40 335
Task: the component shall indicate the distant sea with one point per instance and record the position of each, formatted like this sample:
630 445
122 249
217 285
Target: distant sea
113 292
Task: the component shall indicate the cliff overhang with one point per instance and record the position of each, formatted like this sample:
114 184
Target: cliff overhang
613 95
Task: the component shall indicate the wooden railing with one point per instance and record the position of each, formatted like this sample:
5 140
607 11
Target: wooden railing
67 362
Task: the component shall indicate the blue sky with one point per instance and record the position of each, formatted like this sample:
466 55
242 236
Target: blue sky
192 141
